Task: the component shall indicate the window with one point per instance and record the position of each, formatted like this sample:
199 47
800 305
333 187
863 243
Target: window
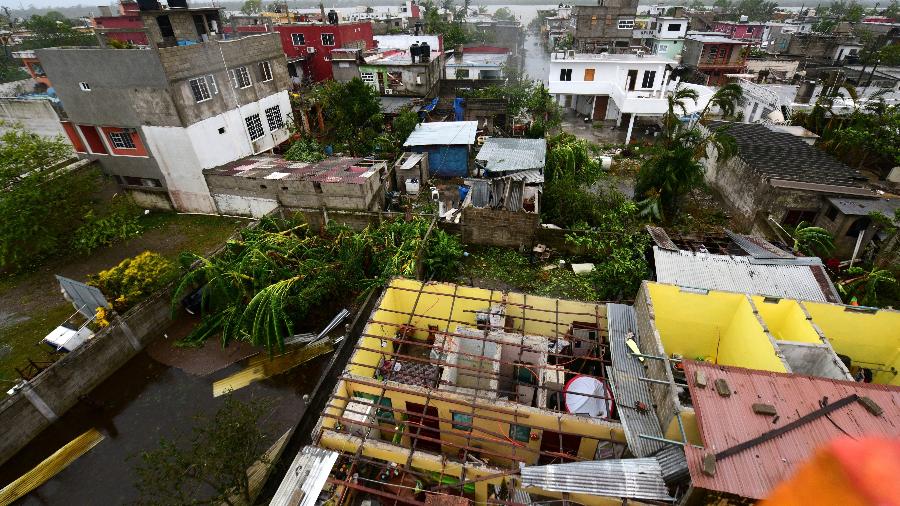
200 89
662 49
649 77
565 74
674 27
794 216
465 421
298 39
265 71
37 69
84 86
368 77
240 78
626 24
593 20
519 433
211 84
749 30
713 51
254 127
462 73
588 74
122 140
142 181
273 118
327 39
831 213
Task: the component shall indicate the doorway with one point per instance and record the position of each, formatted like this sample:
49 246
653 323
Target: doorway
632 79
430 427
554 442
601 103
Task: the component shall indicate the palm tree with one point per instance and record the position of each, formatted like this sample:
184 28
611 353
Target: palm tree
812 241
868 286
725 99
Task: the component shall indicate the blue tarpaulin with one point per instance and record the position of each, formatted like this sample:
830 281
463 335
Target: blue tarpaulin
458 108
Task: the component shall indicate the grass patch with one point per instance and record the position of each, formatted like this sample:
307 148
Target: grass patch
505 269
33 300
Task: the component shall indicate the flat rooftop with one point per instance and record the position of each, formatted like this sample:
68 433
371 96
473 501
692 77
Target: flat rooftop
612 58
478 59
331 170
398 57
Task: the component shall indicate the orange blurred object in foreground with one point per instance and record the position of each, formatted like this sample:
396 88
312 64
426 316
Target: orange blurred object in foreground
845 472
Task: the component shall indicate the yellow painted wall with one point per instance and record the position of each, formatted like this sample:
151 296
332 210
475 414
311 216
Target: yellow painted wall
745 344
786 320
689 419
870 339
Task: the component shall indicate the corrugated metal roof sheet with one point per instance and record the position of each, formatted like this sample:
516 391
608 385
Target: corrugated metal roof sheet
628 478
783 278
528 176
726 421
481 192
445 133
661 238
673 464
305 478
757 247
628 389
505 154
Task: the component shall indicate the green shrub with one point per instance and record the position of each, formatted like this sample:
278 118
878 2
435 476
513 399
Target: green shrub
119 222
134 279
305 149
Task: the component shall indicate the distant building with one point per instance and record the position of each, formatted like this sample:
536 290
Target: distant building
126 27
848 218
667 39
477 63
413 72
600 28
714 56
156 117
741 30
308 46
33 66
818 48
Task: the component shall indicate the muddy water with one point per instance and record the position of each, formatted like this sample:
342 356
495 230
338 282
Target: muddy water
140 403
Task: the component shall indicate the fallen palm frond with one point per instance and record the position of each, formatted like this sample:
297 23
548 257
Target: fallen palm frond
50 466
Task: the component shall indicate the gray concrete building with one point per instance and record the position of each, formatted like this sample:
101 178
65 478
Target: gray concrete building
155 117
396 72
605 26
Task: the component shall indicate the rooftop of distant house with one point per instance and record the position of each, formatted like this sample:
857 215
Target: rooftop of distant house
713 38
510 155
337 169
740 427
612 58
782 156
478 59
399 57
442 133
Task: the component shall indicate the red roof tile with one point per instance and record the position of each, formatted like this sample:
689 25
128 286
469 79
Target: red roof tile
727 421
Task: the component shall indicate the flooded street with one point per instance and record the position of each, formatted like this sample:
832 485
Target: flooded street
140 403
537 61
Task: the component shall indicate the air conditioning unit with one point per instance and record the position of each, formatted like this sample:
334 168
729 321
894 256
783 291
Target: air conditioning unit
310 50
388 91
570 53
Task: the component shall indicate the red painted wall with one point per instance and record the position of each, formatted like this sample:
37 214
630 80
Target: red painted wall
741 30
93 139
73 136
318 64
127 21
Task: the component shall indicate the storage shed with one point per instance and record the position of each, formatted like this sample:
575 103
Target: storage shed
448 145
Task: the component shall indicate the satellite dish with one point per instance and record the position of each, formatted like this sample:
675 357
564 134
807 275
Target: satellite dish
776 117
586 395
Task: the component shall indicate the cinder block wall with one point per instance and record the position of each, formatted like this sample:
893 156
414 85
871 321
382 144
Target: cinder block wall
76 374
494 227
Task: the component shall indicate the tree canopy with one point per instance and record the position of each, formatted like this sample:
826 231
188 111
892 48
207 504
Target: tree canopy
352 113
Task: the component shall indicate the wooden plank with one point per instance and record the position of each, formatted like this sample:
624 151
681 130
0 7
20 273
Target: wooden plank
262 366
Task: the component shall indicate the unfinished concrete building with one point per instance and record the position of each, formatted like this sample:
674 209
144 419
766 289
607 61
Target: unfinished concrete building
155 117
604 27
256 186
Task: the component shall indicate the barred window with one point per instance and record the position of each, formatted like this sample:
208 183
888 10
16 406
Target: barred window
265 71
254 127
273 117
121 140
298 39
327 39
200 89
240 78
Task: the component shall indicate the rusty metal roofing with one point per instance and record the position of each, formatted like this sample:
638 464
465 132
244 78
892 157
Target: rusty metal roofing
628 389
788 278
626 478
335 169
505 154
727 421
661 238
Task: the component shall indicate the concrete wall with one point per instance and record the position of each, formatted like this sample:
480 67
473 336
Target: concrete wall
128 86
596 26
35 116
429 75
499 228
46 397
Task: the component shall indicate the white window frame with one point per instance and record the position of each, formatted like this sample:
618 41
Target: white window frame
121 140
626 24
250 128
201 93
662 48
239 76
265 71
211 84
274 118
323 39
84 86
294 37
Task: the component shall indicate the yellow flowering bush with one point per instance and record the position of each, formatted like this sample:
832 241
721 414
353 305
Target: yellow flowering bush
101 319
134 279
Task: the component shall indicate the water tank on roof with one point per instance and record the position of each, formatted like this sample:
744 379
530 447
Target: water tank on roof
425 51
414 51
332 17
149 5
177 4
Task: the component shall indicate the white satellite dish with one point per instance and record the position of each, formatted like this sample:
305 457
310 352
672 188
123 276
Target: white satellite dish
586 395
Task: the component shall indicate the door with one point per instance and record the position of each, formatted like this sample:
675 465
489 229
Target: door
601 103
554 442
588 74
430 427
632 79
